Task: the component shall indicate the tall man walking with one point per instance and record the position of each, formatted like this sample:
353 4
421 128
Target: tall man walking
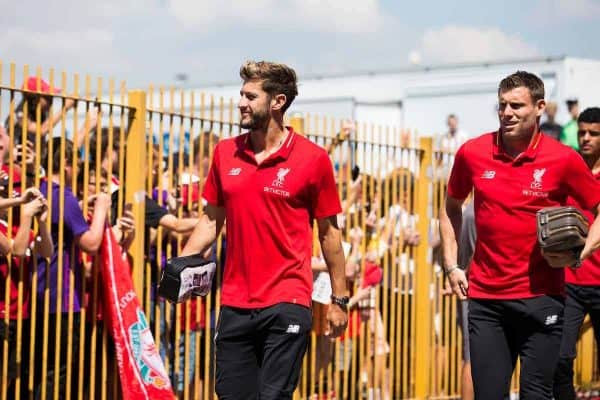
583 284
269 184
515 297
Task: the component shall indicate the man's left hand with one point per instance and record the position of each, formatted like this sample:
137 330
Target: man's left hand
337 320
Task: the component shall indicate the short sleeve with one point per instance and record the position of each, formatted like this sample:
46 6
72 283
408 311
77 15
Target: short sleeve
213 190
580 182
460 183
325 200
73 216
154 212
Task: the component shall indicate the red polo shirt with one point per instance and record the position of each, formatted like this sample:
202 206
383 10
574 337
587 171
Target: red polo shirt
507 263
589 272
14 279
269 210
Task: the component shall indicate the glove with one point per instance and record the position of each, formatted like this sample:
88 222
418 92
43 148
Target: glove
184 277
562 230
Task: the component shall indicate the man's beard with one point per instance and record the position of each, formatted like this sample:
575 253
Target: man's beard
258 120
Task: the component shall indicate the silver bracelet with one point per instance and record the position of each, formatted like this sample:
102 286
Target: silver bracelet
452 269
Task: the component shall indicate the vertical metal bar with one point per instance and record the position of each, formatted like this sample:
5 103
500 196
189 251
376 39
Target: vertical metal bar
104 379
160 315
404 294
151 308
11 119
379 369
199 304
103 365
454 361
231 121
82 311
11 133
219 280
120 208
388 260
45 340
340 372
94 367
182 308
445 315
370 345
208 388
4 383
587 356
70 272
134 190
423 276
121 151
414 164
4 362
297 123
396 290
60 257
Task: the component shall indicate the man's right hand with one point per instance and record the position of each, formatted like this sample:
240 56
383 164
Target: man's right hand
126 222
99 201
35 206
347 130
30 194
25 154
458 283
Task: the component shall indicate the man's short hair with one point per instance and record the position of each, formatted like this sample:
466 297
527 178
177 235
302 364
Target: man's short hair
105 134
276 78
571 103
54 158
91 172
590 115
523 79
204 144
551 105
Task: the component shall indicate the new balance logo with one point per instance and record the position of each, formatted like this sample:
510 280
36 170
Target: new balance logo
488 174
235 171
551 319
293 329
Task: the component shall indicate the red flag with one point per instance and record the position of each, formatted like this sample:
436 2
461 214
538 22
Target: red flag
142 372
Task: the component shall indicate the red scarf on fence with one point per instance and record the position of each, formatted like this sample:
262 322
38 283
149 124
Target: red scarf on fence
142 372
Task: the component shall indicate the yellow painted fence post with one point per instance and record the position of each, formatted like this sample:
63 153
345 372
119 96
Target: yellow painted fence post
586 357
296 121
423 277
135 190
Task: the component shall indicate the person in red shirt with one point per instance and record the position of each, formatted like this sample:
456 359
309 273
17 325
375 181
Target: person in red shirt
269 184
583 284
515 296
16 272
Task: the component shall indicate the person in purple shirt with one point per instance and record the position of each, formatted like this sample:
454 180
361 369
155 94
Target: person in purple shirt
77 235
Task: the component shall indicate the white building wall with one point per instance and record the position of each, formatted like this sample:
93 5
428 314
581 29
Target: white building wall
582 81
421 98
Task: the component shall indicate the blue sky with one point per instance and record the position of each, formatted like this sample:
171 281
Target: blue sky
150 41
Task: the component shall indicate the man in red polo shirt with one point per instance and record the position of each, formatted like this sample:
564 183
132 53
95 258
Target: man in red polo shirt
583 284
515 297
269 184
